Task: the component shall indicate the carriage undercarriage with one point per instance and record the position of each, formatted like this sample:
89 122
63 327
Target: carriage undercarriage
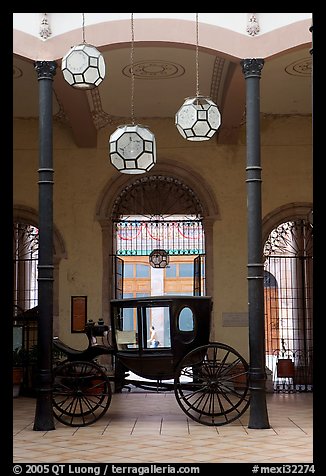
210 386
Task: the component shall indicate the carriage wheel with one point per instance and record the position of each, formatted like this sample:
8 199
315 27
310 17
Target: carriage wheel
81 393
211 384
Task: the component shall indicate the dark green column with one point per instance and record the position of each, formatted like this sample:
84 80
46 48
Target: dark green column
258 409
43 414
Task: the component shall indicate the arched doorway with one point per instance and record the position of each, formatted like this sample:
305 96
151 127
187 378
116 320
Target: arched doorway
158 214
25 285
171 190
288 261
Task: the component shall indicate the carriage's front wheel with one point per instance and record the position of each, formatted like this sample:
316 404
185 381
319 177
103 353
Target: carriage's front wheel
211 384
81 393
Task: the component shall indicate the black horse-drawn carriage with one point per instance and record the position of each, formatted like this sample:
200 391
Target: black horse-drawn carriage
209 379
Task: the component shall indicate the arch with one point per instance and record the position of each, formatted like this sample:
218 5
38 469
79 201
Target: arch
287 212
168 31
105 207
30 216
288 285
166 168
142 198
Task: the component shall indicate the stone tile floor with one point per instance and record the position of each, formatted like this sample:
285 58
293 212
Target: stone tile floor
144 427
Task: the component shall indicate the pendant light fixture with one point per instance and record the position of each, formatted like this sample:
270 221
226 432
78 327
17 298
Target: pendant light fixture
199 117
159 258
132 147
83 67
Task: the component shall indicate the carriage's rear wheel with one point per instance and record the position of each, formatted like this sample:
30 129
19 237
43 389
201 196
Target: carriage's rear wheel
211 384
81 393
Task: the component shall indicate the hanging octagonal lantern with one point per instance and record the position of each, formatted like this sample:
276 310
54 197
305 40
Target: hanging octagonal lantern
132 149
198 118
83 67
159 258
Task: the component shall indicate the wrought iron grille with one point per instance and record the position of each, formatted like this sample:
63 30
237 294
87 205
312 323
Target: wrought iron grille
26 245
288 254
139 238
156 195
25 299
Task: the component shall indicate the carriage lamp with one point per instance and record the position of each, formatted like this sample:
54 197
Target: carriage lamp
83 67
132 149
159 258
199 117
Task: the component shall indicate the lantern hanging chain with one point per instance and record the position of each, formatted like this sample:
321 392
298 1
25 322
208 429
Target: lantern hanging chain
83 14
197 58
132 70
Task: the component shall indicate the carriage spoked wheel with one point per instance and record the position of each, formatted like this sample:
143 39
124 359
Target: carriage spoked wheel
81 393
211 384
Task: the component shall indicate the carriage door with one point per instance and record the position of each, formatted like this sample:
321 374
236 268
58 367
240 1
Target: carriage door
288 255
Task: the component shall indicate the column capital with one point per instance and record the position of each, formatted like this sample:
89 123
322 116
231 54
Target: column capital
45 69
251 67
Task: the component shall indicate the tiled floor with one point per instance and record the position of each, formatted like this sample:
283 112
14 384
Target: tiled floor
150 427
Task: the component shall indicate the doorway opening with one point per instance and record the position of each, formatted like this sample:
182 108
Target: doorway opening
181 237
288 262
158 212
25 296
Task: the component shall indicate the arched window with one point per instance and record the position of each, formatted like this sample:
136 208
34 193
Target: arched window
288 260
25 265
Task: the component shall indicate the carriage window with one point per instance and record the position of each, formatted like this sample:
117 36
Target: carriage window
126 328
128 319
186 320
157 328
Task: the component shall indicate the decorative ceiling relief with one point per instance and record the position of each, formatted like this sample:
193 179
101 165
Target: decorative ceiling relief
301 67
154 69
45 29
253 25
17 72
100 117
220 70
60 116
